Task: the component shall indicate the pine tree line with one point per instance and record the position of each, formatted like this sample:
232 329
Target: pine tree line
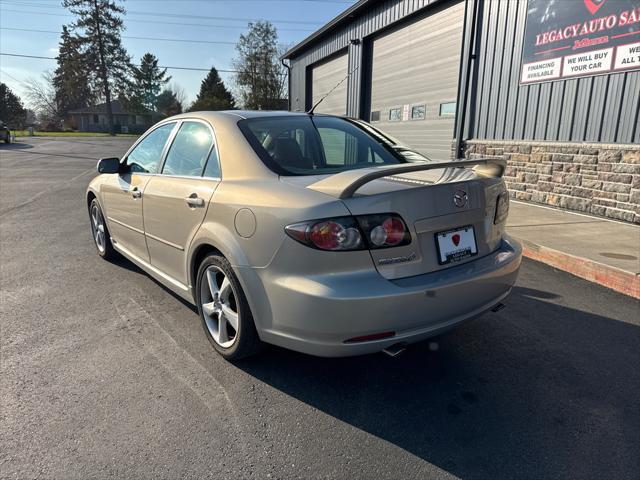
12 111
94 67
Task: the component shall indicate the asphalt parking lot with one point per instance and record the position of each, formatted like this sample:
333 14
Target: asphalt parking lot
104 373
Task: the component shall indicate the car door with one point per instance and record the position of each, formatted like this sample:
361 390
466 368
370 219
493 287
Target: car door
122 194
175 202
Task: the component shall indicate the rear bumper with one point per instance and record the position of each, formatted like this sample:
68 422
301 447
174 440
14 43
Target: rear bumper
316 314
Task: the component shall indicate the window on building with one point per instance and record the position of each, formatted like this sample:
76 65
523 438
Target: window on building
95 119
145 157
448 109
189 151
418 112
375 116
395 114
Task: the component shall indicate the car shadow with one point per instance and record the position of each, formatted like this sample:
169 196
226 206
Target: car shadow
537 390
14 146
122 262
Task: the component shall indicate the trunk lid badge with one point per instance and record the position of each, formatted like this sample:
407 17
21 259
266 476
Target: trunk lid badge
460 198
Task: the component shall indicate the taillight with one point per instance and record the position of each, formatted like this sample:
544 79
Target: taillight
332 234
502 208
385 230
352 233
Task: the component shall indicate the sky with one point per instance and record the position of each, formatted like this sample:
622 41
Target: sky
201 22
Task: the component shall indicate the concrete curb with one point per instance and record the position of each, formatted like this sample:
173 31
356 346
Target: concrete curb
621 281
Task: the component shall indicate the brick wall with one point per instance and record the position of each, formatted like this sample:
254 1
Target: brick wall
600 179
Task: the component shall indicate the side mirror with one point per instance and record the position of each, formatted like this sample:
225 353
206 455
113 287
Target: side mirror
109 165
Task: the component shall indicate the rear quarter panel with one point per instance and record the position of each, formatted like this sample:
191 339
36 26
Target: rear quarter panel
271 205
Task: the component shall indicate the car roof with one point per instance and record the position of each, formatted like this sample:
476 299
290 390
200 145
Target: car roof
264 113
235 115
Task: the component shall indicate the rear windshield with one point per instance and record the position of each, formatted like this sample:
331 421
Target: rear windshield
308 145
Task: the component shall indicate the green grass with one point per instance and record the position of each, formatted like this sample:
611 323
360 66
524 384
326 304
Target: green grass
25 133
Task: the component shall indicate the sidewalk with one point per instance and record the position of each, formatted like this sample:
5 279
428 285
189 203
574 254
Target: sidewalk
599 250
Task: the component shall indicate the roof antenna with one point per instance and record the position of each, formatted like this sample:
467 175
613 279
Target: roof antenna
310 111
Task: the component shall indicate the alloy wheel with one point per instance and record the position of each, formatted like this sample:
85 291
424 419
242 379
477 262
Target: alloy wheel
219 306
97 228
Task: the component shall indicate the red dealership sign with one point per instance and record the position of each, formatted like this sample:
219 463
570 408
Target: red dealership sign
577 38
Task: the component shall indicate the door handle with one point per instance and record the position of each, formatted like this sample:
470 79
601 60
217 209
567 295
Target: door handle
193 200
136 193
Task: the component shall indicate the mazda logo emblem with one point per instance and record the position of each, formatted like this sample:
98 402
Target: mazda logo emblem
460 198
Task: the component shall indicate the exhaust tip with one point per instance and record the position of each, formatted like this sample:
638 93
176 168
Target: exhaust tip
394 350
498 307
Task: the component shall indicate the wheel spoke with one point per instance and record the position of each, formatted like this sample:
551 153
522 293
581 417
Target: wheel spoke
230 316
223 334
225 289
208 308
213 286
94 218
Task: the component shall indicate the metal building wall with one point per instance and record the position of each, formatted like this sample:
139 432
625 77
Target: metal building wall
404 76
377 18
325 76
593 109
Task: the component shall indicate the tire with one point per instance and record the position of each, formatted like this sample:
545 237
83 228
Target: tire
100 232
217 314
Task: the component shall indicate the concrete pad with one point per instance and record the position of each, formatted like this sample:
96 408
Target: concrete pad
600 250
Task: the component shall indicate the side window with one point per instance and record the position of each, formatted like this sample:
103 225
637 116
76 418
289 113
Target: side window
373 157
342 148
212 169
189 151
335 144
146 156
300 138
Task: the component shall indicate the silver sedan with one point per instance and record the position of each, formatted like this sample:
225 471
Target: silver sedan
312 232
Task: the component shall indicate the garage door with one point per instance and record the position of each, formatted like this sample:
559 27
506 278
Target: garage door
415 81
326 76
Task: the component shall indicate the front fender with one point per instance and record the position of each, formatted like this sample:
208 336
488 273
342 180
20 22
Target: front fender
95 188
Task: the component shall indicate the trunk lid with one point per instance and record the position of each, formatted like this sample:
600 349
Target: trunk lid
426 202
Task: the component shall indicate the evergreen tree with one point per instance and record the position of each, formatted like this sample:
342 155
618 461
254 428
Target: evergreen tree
98 27
213 94
12 112
148 81
70 80
168 104
261 80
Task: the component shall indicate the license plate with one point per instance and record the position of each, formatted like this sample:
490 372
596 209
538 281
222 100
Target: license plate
455 245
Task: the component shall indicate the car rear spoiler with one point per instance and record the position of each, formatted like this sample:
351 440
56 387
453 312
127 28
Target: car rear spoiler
344 184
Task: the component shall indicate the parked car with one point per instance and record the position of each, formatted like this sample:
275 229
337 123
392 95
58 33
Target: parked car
5 133
311 232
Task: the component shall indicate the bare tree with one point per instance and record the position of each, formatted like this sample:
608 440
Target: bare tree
180 94
41 97
261 79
